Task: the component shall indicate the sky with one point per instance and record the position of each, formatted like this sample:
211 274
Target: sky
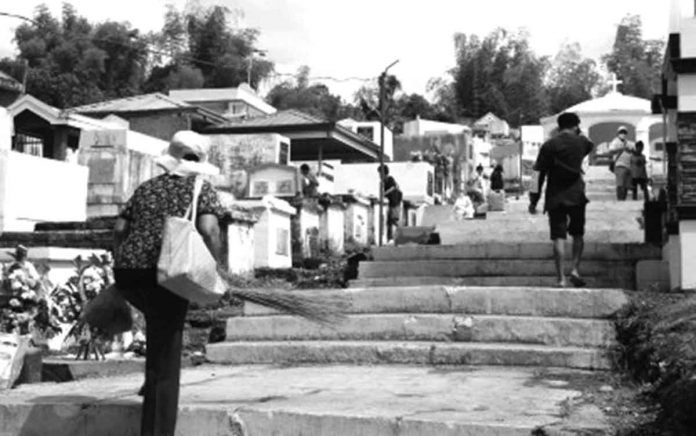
359 38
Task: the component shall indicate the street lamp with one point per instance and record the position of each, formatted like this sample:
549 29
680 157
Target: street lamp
382 117
261 53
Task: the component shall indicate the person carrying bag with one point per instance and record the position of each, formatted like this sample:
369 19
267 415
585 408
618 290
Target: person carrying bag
167 247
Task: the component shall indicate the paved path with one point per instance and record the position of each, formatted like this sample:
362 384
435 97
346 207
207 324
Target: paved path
317 400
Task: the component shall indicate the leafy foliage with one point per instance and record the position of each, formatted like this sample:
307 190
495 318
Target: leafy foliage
572 78
499 74
314 99
637 62
72 61
200 47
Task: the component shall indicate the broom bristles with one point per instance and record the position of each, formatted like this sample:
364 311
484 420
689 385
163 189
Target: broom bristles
323 309
326 310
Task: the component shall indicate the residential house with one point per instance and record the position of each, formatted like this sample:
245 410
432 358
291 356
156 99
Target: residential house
491 125
233 103
423 127
154 114
372 131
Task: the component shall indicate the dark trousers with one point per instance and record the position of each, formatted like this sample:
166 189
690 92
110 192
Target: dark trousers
643 185
165 314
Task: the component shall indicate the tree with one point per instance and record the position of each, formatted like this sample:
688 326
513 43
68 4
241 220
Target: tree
637 62
201 43
572 78
499 74
314 99
72 61
444 101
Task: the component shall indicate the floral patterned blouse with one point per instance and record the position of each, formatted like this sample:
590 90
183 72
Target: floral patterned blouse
146 211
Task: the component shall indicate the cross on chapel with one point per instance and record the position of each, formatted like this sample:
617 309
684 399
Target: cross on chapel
615 82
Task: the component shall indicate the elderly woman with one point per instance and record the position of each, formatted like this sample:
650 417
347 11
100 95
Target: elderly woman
138 237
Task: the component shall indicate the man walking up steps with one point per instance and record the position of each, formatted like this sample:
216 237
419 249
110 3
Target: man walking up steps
560 164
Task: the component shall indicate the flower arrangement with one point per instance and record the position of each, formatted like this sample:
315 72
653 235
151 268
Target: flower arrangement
27 310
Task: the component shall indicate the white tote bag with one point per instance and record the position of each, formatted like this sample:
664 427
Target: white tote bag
186 267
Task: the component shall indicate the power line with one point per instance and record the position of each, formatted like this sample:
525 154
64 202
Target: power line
197 61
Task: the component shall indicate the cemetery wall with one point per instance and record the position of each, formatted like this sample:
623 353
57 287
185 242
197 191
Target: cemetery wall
34 189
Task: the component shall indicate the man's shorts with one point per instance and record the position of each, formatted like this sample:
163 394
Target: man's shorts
565 220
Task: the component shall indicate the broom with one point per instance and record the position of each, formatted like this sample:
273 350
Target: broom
323 309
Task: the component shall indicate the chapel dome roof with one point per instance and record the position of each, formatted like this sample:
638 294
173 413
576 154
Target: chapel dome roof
613 102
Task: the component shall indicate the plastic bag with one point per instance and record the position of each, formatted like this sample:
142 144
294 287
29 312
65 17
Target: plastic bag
12 350
109 312
186 267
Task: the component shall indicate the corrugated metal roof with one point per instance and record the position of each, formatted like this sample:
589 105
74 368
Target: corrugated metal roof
136 103
290 117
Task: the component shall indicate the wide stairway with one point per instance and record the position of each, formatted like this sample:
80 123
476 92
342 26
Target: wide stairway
483 301
484 297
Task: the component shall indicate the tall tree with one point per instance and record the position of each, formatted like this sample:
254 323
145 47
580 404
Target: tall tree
205 43
499 74
72 61
636 61
572 78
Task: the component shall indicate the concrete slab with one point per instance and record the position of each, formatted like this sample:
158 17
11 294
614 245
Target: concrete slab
472 267
429 327
507 281
519 301
307 401
411 353
528 250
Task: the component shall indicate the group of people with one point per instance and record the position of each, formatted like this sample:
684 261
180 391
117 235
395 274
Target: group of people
629 165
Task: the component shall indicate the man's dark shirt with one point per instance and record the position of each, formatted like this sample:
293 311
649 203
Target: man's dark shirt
559 157
392 196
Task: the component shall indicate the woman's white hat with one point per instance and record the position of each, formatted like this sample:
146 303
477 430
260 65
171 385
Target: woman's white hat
183 143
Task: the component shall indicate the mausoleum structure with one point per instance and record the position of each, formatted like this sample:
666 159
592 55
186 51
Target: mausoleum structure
677 104
602 117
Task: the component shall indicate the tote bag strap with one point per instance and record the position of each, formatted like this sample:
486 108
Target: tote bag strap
192 211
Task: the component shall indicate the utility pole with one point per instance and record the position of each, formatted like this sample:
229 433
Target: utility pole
382 118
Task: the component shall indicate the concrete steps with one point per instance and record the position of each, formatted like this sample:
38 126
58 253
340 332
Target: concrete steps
392 352
514 301
429 327
496 250
435 325
626 282
605 265
615 269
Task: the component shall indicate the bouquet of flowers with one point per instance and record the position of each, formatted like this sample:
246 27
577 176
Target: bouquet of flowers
27 310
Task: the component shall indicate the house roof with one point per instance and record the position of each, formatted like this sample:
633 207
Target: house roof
241 93
56 116
155 102
309 135
136 103
290 117
9 82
